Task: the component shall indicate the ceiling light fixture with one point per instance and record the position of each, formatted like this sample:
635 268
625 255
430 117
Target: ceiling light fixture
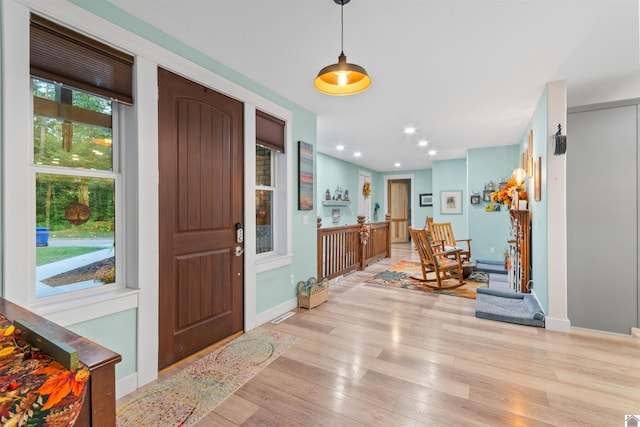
339 147
423 143
357 154
342 78
432 152
409 130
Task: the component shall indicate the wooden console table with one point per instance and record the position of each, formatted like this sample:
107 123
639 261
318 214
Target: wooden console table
99 408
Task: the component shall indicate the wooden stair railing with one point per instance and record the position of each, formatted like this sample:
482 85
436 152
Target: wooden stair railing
348 248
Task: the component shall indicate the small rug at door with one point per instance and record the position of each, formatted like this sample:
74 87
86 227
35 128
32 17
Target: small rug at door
399 276
187 396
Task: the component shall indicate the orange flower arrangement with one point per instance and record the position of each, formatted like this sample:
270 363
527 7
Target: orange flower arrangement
505 195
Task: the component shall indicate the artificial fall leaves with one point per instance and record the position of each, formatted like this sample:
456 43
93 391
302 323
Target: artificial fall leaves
35 389
61 384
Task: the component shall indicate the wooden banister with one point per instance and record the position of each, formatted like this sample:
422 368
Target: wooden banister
348 248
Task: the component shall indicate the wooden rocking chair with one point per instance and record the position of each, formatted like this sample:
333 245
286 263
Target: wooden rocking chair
443 233
435 259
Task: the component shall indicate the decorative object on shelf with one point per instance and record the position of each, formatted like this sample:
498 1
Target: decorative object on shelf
305 176
346 196
327 196
426 199
559 142
342 78
537 189
492 208
366 190
486 196
337 194
475 199
509 193
451 202
489 186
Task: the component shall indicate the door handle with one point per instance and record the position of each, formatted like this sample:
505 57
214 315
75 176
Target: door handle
239 251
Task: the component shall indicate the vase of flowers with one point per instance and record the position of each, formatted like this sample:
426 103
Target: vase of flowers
510 192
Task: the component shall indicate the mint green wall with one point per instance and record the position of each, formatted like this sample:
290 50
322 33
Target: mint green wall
117 332
333 172
451 175
539 268
273 287
489 229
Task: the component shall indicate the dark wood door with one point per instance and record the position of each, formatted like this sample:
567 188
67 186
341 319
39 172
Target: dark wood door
201 201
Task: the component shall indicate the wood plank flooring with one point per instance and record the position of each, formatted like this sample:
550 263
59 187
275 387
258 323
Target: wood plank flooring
376 356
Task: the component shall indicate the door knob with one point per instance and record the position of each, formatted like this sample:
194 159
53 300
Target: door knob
239 251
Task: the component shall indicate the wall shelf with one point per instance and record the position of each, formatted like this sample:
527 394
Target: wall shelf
336 202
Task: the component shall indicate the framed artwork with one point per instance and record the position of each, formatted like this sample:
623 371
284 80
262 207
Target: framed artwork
305 176
451 202
426 199
537 171
335 216
486 196
475 199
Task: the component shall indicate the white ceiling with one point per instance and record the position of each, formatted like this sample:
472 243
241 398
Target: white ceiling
464 73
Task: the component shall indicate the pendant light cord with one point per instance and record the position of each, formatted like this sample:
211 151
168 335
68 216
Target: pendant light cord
342 27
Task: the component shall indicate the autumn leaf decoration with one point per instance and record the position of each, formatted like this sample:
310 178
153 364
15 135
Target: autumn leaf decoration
59 386
366 189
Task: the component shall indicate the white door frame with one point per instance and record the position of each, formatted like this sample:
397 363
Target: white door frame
411 178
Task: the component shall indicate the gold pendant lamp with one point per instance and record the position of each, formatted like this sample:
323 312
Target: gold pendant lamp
342 78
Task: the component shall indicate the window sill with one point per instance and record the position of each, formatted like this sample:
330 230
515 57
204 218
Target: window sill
77 310
273 262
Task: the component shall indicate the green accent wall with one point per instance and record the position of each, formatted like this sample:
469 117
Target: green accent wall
117 332
489 229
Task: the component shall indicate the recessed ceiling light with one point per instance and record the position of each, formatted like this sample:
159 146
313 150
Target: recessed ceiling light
409 130
423 143
432 152
397 164
339 147
357 154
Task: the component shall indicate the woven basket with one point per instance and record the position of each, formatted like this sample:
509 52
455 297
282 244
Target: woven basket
313 296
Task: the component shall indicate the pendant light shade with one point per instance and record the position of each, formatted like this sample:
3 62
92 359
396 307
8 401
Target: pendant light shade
342 78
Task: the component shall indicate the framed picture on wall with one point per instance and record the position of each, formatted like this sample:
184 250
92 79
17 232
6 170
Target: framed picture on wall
475 199
451 202
486 196
426 199
305 176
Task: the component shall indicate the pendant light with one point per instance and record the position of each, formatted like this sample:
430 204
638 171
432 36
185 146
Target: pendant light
342 78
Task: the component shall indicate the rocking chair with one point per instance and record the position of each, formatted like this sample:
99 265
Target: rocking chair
435 259
443 233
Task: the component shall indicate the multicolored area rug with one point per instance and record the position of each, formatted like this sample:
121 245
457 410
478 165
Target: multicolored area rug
399 276
186 397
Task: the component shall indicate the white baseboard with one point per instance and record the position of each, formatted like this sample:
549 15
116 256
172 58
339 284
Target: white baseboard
276 311
126 385
560 325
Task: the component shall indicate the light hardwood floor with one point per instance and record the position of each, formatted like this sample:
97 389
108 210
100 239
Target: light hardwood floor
377 356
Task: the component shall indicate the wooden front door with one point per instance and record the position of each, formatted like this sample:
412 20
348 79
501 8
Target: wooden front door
399 208
201 201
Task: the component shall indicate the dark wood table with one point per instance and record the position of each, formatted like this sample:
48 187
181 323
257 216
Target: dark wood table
99 408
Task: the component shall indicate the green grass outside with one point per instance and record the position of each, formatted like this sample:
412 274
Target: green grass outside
46 255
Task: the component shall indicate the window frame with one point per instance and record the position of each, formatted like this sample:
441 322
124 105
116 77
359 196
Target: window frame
117 112
275 164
